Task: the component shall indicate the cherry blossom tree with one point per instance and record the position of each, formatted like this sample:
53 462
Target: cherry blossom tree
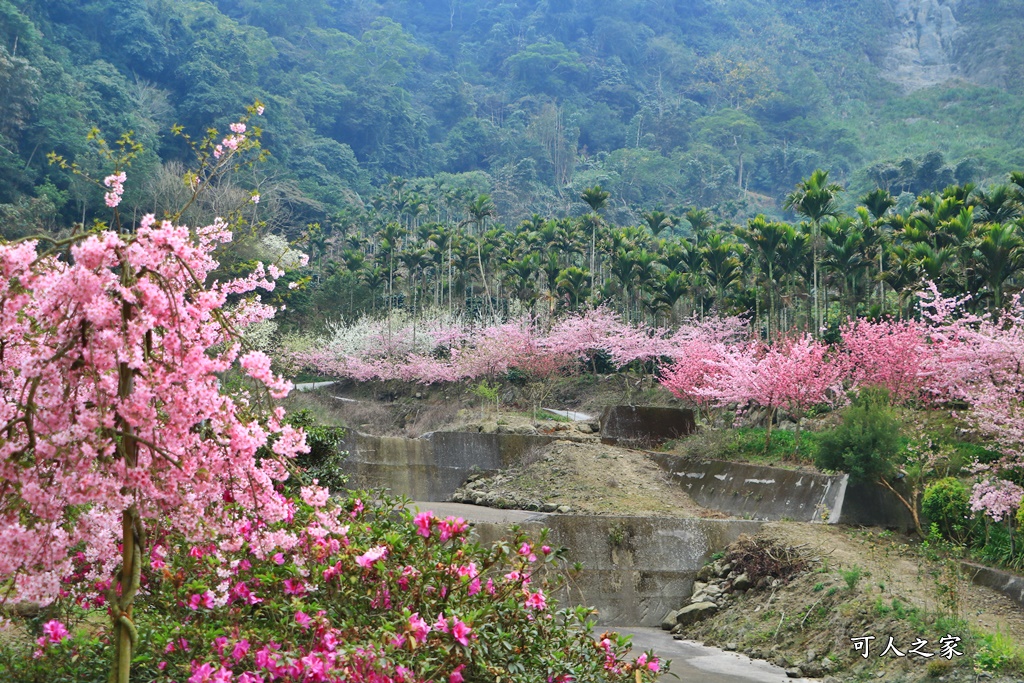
697 347
692 377
980 359
586 335
895 355
794 374
998 500
111 409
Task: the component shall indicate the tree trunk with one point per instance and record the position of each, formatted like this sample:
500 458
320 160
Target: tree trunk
909 504
817 307
125 634
483 278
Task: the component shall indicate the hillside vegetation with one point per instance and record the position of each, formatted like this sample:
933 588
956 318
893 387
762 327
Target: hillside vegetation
721 104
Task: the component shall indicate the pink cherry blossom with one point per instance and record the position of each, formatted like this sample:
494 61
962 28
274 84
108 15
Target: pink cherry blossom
997 499
116 184
315 496
76 327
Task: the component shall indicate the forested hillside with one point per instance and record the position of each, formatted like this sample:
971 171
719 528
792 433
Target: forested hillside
718 104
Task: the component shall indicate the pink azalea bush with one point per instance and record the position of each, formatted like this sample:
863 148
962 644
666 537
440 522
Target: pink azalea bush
359 590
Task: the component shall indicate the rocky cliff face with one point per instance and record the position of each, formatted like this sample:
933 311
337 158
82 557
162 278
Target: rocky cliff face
923 43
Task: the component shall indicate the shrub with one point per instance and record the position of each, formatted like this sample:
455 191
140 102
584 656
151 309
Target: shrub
946 503
324 459
852 576
358 592
866 443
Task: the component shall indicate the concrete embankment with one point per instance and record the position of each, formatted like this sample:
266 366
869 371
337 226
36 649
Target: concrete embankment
773 493
635 569
434 466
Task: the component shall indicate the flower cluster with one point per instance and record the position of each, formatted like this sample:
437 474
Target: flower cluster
362 591
116 184
998 499
234 141
111 365
53 632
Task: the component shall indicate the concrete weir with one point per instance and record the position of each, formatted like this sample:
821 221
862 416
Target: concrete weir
635 569
758 492
431 467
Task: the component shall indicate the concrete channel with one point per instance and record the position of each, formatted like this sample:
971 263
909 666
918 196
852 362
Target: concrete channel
636 569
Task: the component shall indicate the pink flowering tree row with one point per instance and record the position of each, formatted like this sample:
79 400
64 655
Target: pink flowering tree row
909 359
449 351
948 356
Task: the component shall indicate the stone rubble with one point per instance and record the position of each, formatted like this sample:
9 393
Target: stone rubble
716 587
487 492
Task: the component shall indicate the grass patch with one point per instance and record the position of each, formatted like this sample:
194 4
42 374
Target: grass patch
546 416
747 444
999 654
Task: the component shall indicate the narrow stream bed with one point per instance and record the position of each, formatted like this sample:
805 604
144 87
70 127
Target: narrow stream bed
696 663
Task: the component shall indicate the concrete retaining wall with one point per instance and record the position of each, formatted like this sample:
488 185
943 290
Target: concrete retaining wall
635 569
432 467
772 493
867 504
643 426
757 492
1010 585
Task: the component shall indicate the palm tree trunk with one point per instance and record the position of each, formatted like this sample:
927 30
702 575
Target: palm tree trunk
483 278
817 308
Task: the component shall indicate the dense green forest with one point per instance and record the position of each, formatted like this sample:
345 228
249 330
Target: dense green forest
553 153
718 104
